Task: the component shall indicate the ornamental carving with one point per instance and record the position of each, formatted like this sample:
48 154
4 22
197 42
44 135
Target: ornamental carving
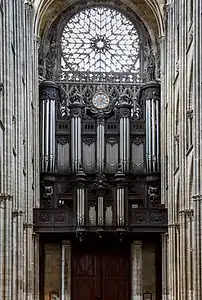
44 217
47 194
138 140
88 140
139 217
60 218
157 217
112 141
48 93
63 140
154 194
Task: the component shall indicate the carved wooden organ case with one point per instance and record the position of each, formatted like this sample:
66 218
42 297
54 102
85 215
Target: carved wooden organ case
100 156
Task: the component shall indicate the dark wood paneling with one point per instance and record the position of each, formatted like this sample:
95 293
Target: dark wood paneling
100 274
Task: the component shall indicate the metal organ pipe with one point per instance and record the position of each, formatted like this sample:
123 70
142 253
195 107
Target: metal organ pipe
47 137
120 206
125 143
43 137
72 143
53 135
100 147
152 93
100 211
157 137
128 143
153 128
76 143
76 136
48 95
79 142
149 135
121 142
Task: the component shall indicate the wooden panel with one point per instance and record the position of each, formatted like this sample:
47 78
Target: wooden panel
86 270
116 275
101 275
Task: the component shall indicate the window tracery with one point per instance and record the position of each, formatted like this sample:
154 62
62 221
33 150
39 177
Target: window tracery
100 39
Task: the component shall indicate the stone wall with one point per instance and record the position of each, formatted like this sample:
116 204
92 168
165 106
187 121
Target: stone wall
18 151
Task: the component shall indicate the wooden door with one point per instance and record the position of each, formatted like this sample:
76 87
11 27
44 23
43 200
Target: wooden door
100 274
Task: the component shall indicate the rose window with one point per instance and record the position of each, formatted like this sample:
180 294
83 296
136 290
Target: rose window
101 40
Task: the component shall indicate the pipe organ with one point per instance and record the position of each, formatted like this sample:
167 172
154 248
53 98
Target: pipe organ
100 144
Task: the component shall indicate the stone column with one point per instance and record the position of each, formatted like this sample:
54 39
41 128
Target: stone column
136 262
197 245
66 270
164 239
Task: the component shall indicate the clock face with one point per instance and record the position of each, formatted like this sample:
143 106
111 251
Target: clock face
100 100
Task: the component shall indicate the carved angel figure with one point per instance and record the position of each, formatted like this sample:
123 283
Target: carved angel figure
47 195
153 193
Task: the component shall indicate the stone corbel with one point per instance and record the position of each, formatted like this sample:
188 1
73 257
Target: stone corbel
4 197
28 225
17 213
28 5
1 87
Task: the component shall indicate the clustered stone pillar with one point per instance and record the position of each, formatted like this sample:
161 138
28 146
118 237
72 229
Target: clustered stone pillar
198 247
164 239
136 263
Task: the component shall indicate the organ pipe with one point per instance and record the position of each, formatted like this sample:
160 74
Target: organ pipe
48 94
100 146
80 197
76 135
100 211
152 96
120 197
125 138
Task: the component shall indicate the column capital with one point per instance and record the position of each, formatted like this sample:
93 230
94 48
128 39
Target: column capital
197 198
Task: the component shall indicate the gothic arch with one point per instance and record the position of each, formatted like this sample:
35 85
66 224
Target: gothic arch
149 11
